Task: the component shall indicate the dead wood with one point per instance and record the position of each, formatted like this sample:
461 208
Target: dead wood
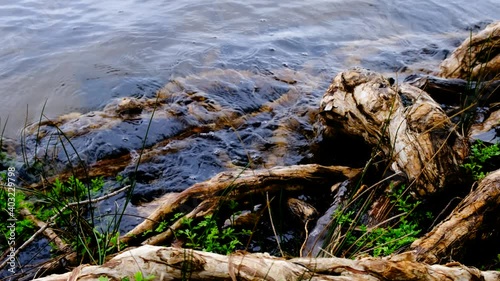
234 186
453 91
43 228
404 122
485 131
462 225
167 263
477 58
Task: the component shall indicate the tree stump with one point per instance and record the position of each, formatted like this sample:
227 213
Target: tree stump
404 122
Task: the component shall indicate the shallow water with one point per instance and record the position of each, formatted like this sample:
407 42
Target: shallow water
77 55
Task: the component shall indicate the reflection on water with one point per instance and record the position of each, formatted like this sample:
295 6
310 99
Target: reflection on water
79 54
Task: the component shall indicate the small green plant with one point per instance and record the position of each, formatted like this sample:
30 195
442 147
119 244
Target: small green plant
138 276
207 236
122 180
10 205
63 207
383 239
480 154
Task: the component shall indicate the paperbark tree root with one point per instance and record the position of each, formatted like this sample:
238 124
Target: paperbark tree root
477 58
167 263
234 186
463 224
404 122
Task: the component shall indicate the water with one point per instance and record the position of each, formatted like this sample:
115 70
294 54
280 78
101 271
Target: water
77 55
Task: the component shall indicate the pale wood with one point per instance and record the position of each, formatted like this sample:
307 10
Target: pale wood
167 263
448 238
405 123
477 58
234 185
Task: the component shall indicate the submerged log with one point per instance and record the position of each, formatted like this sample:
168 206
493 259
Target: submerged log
453 91
404 122
463 224
167 263
477 58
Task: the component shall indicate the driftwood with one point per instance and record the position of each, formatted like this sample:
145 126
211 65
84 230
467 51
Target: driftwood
463 224
485 131
167 263
408 126
234 186
477 58
453 91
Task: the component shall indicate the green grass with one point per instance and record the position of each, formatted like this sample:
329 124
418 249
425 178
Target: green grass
352 238
67 206
24 228
138 276
479 157
207 236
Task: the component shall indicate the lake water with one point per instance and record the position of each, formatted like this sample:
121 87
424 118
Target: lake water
77 55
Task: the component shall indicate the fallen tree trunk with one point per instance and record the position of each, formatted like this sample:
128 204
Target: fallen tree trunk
410 128
453 91
463 224
167 263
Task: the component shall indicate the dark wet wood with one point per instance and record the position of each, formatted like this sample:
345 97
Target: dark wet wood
452 91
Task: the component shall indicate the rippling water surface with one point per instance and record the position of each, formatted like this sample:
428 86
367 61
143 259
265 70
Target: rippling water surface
78 54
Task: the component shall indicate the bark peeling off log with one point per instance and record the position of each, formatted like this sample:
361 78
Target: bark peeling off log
477 58
238 184
410 128
462 224
167 263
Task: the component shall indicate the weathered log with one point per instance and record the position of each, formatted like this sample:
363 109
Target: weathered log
410 128
167 263
462 225
477 58
453 91
236 185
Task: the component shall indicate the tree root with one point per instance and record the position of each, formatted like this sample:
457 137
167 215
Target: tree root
233 186
167 263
